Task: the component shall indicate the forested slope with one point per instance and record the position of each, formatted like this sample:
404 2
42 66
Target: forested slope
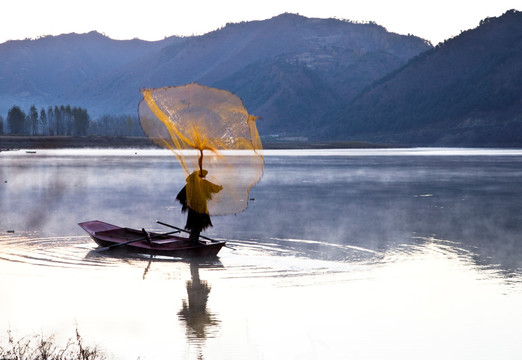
466 91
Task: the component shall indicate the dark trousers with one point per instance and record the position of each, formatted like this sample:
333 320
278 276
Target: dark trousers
194 235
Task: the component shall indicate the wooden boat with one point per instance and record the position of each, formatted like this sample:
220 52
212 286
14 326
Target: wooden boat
108 235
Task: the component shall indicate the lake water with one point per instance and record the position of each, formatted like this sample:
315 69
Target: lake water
341 254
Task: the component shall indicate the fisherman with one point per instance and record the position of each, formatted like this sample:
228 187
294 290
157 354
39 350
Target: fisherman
193 197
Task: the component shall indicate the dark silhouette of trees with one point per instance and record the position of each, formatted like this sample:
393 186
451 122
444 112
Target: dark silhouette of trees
60 120
33 120
68 121
16 120
50 117
80 121
57 121
43 122
116 125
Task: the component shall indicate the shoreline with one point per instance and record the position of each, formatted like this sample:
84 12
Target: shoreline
11 142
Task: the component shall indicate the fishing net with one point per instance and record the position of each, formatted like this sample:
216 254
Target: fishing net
214 139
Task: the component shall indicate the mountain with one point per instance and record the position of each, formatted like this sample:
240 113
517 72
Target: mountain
40 71
465 91
289 69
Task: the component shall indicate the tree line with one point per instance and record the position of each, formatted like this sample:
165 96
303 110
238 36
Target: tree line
68 121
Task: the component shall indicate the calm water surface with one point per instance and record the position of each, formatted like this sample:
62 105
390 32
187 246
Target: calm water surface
341 254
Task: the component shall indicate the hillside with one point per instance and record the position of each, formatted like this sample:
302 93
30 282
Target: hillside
289 70
276 66
466 91
41 71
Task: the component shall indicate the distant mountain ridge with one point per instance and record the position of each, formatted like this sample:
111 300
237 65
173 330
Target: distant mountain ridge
466 91
289 69
321 79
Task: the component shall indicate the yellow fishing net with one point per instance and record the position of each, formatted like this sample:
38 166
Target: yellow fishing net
208 130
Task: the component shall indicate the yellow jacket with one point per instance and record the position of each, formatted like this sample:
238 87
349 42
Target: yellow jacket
199 191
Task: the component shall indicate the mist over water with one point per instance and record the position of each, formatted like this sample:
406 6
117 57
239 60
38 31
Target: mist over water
397 254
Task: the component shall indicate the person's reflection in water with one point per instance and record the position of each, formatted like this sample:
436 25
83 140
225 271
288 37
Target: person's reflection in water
194 312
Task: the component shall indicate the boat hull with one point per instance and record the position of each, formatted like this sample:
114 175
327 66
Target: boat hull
105 234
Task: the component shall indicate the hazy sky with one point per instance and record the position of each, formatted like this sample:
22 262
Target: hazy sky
156 19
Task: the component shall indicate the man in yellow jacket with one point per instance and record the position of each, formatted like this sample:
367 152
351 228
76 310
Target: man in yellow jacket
194 197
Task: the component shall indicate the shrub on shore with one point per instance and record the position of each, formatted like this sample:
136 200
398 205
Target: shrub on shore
38 347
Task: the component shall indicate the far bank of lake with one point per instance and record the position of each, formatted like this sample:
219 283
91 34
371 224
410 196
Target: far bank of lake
104 142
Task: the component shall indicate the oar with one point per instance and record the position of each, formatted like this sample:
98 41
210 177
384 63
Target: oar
185 231
188 232
134 240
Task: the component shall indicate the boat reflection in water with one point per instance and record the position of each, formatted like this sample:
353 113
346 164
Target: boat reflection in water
200 322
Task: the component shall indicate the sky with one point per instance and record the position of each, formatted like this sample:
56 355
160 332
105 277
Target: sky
435 21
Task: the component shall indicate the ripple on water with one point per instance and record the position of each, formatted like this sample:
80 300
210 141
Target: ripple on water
294 261
53 251
282 262
274 258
